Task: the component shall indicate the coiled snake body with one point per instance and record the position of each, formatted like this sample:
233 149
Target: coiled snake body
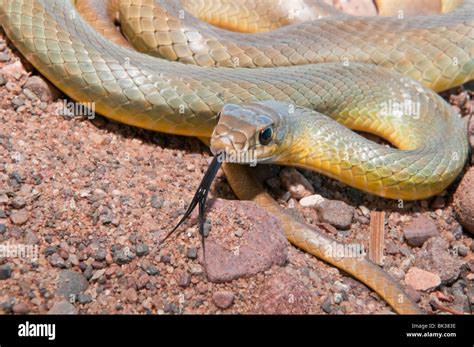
334 78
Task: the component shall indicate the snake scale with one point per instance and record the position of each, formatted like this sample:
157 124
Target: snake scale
359 71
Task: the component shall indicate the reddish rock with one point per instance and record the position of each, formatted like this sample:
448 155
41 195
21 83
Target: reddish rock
420 279
19 217
20 308
14 70
336 213
223 299
464 201
283 294
436 257
293 181
261 245
63 307
419 230
41 88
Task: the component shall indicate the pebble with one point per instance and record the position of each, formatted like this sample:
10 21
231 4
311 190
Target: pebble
50 250
312 200
327 305
336 213
192 253
31 238
422 280
20 308
100 254
3 228
19 217
63 307
4 57
71 283
294 182
5 272
17 102
84 298
152 270
45 91
18 202
462 250
223 299
142 249
3 81
184 280
463 201
131 295
120 257
156 202
57 261
419 230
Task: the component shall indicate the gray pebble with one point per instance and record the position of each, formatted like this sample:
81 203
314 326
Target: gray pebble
4 57
120 257
3 214
327 305
5 272
463 250
100 254
3 81
18 202
184 280
17 102
142 250
57 261
50 250
207 228
84 298
152 270
192 253
63 307
3 228
156 202
71 283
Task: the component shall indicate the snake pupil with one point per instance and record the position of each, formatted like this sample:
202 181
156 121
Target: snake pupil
266 136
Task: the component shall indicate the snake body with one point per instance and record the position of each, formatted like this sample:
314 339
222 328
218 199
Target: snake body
184 99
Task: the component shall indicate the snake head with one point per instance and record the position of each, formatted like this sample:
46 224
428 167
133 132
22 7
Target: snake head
248 133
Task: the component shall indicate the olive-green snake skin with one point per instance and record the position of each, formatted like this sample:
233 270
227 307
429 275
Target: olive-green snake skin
337 76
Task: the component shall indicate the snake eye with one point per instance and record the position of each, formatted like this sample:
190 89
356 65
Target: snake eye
266 136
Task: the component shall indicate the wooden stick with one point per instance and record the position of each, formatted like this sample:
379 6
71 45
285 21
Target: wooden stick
377 237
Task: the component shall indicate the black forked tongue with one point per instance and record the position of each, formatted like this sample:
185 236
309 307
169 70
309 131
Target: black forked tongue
200 198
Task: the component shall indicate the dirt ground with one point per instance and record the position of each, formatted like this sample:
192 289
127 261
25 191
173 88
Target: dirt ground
93 198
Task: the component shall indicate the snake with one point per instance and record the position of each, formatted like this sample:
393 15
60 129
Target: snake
293 94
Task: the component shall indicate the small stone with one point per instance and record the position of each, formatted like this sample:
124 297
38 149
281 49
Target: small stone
19 217
3 80
5 272
100 254
17 102
156 202
142 250
463 201
96 138
84 298
294 182
50 250
419 230
98 274
3 228
63 307
206 230
337 213
20 308
31 238
192 253
422 280
120 257
312 200
131 295
239 233
4 57
223 299
45 91
152 270
57 261
327 305
18 202
71 283
462 250
184 280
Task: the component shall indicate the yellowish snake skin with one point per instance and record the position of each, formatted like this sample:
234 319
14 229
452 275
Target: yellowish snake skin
335 76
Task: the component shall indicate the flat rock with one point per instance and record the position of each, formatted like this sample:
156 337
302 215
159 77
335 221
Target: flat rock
420 279
419 230
19 217
435 257
41 88
71 283
261 245
312 200
283 293
464 201
337 213
223 299
295 183
63 307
